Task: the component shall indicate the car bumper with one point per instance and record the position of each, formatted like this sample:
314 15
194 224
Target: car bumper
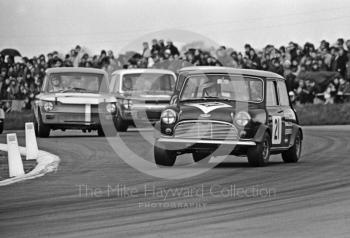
143 113
214 142
68 118
221 147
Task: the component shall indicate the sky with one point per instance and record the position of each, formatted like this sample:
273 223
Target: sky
42 26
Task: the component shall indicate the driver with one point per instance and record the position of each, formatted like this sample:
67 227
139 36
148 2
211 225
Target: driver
127 84
56 84
210 89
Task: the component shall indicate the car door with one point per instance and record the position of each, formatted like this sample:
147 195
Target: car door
288 117
275 114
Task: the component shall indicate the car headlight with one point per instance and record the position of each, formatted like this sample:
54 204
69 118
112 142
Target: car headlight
48 106
110 107
127 103
168 116
242 118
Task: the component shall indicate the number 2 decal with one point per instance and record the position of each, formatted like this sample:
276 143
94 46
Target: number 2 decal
276 129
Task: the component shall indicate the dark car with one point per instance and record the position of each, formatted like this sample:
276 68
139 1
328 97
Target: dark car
73 98
141 95
222 111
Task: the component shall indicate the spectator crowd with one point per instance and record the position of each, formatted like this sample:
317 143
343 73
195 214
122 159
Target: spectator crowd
313 74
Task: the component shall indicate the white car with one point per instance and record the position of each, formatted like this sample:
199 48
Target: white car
73 98
141 95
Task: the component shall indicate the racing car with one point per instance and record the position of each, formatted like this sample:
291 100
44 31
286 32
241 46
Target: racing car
141 95
225 111
73 98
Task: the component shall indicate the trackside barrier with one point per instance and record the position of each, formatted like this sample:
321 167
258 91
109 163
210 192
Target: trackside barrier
31 144
14 157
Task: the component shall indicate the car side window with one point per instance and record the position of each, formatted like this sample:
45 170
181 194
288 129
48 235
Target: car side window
271 97
282 93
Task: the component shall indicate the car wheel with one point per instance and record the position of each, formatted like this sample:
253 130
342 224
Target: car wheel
260 154
100 131
198 156
120 124
164 157
292 155
40 128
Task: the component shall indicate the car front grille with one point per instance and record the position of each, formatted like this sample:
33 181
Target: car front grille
206 130
74 108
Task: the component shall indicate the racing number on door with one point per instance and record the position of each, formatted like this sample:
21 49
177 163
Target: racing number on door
276 129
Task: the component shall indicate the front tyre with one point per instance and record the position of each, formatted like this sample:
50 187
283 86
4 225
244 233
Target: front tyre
163 157
292 155
100 131
260 154
120 124
40 128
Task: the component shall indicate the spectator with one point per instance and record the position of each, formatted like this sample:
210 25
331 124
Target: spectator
302 93
348 62
68 61
341 61
329 98
155 47
23 80
344 90
146 52
173 49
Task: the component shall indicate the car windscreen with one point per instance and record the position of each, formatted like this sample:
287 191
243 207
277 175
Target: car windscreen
148 83
76 82
223 86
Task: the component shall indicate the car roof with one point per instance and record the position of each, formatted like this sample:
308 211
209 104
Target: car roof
140 71
219 69
75 70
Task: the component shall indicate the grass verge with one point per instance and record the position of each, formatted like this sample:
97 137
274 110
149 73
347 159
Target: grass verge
308 114
321 114
28 165
16 120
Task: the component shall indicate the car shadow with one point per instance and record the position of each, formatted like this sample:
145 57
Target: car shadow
243 164
74 136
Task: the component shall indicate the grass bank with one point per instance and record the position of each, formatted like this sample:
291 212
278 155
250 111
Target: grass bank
28 165
309 114
16 120
320 114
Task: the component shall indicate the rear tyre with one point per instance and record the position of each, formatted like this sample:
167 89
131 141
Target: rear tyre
260 154
120 124
292 155
164 157
40 128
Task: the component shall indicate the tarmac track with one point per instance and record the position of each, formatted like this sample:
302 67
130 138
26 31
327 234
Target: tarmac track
308 199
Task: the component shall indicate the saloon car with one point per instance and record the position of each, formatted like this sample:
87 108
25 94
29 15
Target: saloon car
73 98
226 111
141 95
